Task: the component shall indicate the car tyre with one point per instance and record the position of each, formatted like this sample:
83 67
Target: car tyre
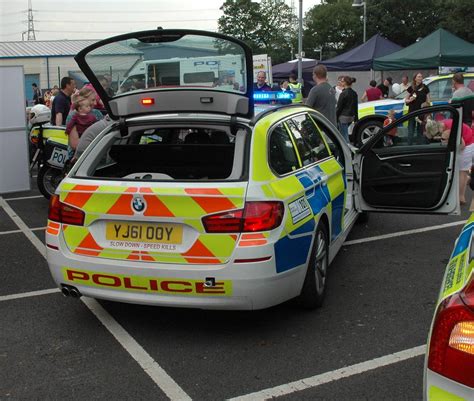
314 286
366 131
48 180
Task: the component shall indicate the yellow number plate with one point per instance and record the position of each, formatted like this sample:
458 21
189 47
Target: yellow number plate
141 232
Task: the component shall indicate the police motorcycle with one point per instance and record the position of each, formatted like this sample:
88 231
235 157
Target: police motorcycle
48 150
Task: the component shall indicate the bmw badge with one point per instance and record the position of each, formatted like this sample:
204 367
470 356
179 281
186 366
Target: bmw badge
138 204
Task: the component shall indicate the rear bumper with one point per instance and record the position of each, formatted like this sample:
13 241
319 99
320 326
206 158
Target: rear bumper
254 285
440 388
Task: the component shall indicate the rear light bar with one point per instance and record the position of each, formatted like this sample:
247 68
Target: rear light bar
451 352
256 216
62 213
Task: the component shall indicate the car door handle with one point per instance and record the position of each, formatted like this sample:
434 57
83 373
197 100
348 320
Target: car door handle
404 164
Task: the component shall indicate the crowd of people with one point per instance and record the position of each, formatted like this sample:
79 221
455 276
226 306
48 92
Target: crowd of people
339 103
77 110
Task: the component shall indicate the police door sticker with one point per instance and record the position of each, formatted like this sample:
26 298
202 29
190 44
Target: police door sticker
299 209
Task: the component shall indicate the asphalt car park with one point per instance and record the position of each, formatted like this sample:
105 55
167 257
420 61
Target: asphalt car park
365 343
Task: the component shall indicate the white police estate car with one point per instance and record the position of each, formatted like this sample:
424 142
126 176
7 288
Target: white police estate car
192 198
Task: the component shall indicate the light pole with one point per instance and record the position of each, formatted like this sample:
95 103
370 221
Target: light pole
300 42
361 3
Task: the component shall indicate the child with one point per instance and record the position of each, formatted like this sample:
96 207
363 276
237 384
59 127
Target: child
388 139
83 118
433 129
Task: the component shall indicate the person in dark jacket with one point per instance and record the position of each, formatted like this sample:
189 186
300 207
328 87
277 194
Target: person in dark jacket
347 107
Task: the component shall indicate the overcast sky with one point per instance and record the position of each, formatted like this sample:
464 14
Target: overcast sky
96 19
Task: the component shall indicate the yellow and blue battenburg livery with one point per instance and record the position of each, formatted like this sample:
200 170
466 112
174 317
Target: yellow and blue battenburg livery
449 370
293 249
459 268
197 198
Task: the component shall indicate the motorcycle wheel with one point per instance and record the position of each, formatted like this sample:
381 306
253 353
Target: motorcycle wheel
48 180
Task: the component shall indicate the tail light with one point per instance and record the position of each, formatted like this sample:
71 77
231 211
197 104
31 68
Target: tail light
62 213
256 216
451 352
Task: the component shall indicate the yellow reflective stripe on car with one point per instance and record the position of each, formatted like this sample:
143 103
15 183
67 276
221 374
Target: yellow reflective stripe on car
438 394
459 268
74 235
218 245
366 111
455 274
336 184
286 187
267 190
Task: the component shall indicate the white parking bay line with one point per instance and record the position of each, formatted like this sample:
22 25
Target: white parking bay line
334 375
155 371
136 351
23 227
28 294
20 231
24 197
402 233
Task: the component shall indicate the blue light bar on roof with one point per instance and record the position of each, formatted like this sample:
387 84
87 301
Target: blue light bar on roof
268 96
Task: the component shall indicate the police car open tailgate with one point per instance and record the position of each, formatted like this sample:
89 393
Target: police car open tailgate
161 223
169 71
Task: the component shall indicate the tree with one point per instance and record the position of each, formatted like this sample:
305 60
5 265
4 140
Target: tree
457 17
333 25
412 19
267 27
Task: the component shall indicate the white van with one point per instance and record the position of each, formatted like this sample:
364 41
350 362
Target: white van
194 71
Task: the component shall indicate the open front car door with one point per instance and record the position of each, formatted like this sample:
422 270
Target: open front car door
411 166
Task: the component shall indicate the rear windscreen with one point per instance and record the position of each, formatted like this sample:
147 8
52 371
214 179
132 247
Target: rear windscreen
137 64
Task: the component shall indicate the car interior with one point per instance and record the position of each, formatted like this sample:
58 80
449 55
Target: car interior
173 152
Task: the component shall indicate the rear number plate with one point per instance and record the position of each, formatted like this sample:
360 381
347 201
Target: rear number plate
141 232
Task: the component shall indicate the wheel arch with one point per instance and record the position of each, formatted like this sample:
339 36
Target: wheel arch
360 125
324 219
370 117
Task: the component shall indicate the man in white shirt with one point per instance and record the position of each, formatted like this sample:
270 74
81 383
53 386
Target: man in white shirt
404 84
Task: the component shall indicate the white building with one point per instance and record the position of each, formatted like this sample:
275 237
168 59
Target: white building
46 62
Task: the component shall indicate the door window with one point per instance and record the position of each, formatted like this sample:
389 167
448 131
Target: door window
282 154
424 129
441 90
309 141
410 164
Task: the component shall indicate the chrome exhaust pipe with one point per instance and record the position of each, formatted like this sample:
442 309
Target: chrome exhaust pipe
70 291
75 292
65 291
